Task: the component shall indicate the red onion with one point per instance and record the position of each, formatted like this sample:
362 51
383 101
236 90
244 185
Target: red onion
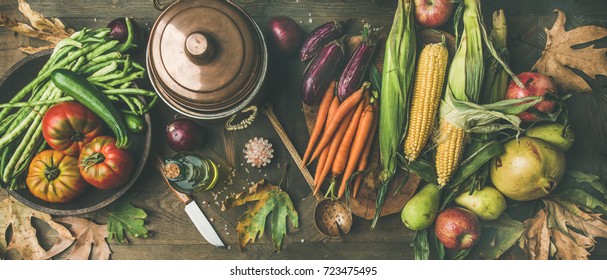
184 134
536 84
285 35
119 32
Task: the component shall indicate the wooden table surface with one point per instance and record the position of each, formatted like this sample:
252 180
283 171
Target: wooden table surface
175 237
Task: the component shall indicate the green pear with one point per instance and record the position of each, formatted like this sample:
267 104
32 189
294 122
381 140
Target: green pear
420 212
553 133
487 203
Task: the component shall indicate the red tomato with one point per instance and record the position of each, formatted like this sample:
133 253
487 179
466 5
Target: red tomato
103 165
54 177
68 126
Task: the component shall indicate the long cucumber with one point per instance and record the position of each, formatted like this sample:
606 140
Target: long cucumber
90 96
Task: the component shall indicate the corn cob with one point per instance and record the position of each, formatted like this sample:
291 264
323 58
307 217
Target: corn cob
399 66
450 148
427 91
464 84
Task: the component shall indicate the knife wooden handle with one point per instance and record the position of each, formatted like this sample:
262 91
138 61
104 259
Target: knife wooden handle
181 196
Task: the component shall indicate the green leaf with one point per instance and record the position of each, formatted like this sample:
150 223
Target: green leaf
420 245
506 234
270 199
582 198
123 218
584 179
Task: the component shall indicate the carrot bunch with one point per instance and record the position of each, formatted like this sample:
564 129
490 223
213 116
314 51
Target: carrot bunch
342 137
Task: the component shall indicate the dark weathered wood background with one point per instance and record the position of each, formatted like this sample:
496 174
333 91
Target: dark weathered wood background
174 236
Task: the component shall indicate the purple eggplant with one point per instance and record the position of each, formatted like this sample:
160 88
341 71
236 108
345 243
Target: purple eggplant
321 70
320 36
354 73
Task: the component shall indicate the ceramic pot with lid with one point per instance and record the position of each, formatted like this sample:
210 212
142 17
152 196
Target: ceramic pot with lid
206 59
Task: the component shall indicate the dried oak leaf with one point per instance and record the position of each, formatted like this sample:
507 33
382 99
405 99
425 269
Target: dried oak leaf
19 216
270 199
90 239
123 218
559 56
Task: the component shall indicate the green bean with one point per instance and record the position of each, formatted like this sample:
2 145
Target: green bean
101 49
103 58
36 103
113 98
102 32
21 127
5 123
152 103
139 104
57 55
88 69
132 76
5 156
78 64
102 85
129 91
125 85
129 38
106 70
26 145
138 66
93 40
108 77
43 76
128 102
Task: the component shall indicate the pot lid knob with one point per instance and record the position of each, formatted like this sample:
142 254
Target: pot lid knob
199 46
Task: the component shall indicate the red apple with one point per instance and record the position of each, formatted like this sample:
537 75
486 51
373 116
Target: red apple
536 84
432 13
457 228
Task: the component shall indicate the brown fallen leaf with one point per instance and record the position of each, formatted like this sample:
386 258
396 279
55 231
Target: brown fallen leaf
559 55
91 239
19 216
50 30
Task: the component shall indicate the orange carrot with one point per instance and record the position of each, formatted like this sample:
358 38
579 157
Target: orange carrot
362 163
321 117
335 141
319 166
344 108
358 146
341 160
325 152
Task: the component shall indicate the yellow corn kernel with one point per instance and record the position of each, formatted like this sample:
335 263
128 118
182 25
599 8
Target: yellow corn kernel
449 150
429 81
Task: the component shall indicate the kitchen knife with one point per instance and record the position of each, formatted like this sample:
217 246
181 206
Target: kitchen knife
198 218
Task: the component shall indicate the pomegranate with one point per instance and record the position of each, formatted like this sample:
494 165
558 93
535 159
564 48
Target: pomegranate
528 169
536 84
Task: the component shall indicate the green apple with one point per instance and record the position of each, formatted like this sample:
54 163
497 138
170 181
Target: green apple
487 203
553 133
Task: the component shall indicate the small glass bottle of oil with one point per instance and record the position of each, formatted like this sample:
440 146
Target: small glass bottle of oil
189 172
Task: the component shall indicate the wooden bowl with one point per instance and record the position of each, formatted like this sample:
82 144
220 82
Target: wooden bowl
92 199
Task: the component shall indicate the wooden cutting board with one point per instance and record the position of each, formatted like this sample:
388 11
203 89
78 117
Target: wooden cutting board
403 185
364 204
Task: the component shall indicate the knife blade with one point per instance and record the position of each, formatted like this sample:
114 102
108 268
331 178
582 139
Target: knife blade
195 214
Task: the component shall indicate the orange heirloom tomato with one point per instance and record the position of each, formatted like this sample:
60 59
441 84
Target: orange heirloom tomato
55 177
68 126
103 165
